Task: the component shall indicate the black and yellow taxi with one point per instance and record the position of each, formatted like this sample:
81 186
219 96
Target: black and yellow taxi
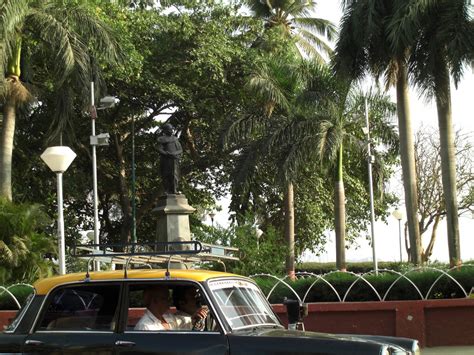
97 313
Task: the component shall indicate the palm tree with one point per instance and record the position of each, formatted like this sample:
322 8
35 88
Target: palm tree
333 123
23 242
291 20
443 33
323 124
274 84
69 32
287 25
365 47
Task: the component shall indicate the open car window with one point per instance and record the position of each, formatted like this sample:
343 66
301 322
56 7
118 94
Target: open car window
81 308
181 302
242 304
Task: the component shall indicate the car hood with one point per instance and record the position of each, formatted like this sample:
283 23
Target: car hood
403 343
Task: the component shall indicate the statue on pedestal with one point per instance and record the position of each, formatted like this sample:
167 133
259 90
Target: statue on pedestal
170 152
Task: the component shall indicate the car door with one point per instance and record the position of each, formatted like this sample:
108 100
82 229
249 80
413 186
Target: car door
130 341
77 319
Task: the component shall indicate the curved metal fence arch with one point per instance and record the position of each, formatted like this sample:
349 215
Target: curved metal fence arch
401 276
443 273
4 289
280 280
11 295
319 277
361 277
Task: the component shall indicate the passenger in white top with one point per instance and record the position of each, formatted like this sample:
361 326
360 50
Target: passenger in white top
157 315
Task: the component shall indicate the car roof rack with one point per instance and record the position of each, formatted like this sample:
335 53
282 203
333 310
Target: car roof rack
154 253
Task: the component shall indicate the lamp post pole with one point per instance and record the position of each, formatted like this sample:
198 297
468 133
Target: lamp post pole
134 197
400 238
371 189
58 160
94 176
61 239
212 214
399 215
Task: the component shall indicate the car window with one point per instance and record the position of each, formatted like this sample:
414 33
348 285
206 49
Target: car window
84 307
167 307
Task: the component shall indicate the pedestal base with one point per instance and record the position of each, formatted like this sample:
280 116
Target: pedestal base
173 219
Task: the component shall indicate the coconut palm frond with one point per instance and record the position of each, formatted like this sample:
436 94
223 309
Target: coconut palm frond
66 44
97 33
319 43
268 89
245 166
317 25
298 8
350 58
329 141
12 15
243 128
63 114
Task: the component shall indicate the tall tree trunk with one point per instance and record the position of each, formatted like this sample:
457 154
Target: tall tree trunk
16 93
429 249
340 216
125 230
290 230
407 154
6 148
448 161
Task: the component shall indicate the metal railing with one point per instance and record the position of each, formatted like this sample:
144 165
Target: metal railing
381 296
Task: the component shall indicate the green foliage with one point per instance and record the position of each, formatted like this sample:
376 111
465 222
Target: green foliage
358 267
24 243
257 255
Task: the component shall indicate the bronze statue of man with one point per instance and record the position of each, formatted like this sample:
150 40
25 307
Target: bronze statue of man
170 152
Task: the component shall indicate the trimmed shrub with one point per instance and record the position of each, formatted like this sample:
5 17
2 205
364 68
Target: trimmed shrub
357 268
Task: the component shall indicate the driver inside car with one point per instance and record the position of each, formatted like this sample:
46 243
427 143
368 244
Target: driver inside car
189 309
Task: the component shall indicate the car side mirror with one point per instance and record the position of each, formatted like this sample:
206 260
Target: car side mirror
296 311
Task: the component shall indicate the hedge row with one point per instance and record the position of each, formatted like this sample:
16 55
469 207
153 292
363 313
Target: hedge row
361 291
364 267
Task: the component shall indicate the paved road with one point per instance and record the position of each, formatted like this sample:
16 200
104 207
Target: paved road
449 350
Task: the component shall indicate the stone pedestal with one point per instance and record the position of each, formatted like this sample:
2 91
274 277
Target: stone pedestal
173 219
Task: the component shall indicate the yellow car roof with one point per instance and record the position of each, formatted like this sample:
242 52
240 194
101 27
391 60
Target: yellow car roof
45 285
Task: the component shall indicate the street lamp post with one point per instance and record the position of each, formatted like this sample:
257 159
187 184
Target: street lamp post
370 160
95 140
399 216
212 215
58 160
94 173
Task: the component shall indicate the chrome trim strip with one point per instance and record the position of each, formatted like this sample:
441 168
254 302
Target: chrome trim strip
256 325
175 331
74 331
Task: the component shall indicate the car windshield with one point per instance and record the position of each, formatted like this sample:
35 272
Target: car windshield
242 304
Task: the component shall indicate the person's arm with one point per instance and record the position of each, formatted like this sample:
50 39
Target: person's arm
199 317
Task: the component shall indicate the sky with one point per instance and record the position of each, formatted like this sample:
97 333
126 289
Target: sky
387 235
